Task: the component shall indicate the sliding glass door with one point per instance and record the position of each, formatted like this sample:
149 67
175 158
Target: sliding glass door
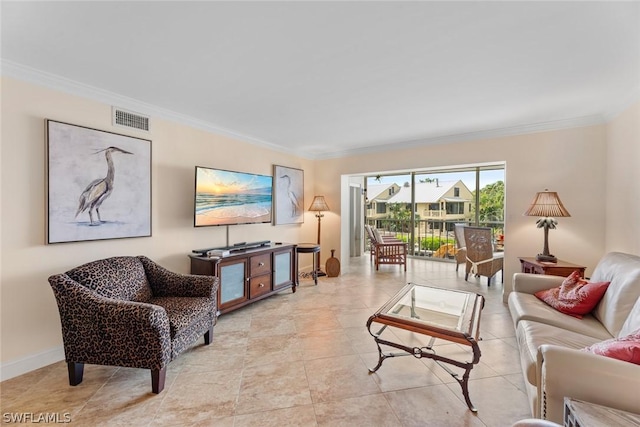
422 207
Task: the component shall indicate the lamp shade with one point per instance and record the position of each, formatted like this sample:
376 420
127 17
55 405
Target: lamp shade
547 204
318 204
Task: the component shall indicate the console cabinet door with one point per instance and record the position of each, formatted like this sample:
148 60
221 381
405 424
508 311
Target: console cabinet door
283 270
233 280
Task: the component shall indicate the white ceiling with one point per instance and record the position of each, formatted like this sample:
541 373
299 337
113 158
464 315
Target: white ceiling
324 79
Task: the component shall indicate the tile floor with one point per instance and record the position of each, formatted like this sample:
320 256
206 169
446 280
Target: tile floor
300 360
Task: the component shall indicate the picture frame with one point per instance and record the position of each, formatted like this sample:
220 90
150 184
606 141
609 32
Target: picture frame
288 195
98 184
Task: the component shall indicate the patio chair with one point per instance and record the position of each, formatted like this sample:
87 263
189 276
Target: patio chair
481 260
374 236
386 250
129 311
372 240
461 254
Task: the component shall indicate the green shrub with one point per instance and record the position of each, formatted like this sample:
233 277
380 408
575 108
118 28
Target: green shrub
433 243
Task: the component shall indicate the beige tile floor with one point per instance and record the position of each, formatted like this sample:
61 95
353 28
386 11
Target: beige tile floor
300 360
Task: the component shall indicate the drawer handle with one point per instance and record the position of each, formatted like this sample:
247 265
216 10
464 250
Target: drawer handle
261 285
261 264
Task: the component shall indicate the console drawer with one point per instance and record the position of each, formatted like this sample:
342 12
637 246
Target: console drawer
260 264
259 285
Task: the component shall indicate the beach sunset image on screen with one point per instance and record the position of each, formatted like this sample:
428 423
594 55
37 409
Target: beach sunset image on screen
225 197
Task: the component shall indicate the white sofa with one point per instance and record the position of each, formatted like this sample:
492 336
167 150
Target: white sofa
552 363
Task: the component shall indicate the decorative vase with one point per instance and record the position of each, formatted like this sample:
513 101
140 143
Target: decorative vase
333 265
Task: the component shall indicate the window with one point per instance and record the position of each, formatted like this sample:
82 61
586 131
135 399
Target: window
381 208
455 208
456 191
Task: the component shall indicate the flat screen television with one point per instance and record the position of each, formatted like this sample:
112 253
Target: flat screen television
224 197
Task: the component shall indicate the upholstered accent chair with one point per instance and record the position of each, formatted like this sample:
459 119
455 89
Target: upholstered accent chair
130 311
481 260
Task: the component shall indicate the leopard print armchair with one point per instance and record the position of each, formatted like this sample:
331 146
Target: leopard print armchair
129 311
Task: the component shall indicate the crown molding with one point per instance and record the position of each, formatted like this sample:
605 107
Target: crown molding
475 135
53 81
62 84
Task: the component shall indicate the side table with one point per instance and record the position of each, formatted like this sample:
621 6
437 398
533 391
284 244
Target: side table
308 248
578 413
561 268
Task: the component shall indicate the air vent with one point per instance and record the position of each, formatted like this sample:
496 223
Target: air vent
130 119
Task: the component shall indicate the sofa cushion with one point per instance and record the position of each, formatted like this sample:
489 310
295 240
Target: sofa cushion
623 271
524 306
626 348
121 278
575 296
633 320
531 335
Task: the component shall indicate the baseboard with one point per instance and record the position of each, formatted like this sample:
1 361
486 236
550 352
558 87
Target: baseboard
31 363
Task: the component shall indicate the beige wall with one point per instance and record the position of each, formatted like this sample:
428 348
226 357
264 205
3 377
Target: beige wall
623 182
30 321
572 162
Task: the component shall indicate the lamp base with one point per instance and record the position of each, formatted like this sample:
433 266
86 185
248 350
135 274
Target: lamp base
546 258
320 273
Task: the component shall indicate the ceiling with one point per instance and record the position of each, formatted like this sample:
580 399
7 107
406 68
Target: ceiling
326 79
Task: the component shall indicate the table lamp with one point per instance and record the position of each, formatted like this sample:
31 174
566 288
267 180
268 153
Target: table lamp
547 205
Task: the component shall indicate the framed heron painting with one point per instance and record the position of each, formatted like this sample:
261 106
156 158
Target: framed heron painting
98 184
288 194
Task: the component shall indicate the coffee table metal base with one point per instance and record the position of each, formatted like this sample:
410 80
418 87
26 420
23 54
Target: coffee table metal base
429 352
436 313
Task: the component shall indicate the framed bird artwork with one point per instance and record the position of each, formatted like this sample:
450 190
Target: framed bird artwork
98 184
288 198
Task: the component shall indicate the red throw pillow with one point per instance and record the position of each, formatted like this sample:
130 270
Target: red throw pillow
575 297
625 348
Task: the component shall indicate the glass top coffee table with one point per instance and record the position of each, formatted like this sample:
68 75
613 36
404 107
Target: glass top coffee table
446 314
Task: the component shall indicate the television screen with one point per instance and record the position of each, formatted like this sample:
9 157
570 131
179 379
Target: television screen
225 197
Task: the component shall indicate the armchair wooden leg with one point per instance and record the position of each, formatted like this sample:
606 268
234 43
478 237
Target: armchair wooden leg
157 379
488 281
75 372
208 336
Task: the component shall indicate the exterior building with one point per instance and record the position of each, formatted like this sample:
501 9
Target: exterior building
378 196
438 203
